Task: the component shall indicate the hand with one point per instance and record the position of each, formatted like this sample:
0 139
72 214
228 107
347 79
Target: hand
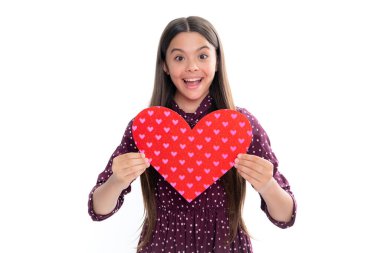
128 167
256 170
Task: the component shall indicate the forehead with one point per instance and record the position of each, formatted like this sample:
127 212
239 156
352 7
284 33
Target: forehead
189 41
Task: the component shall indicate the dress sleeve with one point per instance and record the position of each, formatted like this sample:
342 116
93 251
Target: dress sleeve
260 146
127 145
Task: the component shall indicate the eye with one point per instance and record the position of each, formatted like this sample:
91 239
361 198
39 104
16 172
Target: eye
179 58
203 56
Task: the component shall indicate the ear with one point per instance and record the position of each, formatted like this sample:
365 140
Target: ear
165 68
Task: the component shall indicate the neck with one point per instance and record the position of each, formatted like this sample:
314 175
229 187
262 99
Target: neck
188 106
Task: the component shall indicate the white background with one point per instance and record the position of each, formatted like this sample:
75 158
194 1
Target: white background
73 74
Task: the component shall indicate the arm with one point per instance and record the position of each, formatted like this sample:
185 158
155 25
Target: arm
107 196
266 206
259 168
125 169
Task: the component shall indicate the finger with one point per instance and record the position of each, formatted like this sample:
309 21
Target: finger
251 165
250 172
135 162
255 158
124 172
251 179
131 155
135 171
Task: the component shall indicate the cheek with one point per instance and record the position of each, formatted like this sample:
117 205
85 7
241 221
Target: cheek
175 75
211 71
175 72
211 67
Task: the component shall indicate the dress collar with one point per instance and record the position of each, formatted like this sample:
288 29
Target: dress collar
206 106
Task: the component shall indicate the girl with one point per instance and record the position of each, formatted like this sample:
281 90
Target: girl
191 79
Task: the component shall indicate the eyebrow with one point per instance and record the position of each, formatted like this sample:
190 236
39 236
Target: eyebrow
178 49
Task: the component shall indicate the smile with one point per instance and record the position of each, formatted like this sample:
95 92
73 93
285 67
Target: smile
192 82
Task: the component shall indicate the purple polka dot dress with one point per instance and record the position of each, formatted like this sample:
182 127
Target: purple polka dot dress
202 225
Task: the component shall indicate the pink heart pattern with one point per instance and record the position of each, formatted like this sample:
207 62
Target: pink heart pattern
191 159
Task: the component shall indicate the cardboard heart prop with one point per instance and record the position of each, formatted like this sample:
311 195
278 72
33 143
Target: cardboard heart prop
191 159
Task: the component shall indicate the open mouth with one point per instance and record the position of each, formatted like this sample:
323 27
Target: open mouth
192 82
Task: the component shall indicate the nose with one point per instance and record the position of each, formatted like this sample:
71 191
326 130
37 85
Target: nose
192 66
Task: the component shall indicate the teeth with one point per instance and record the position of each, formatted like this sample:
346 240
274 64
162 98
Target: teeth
193 80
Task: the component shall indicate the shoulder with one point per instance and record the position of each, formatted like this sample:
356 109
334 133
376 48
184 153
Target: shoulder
128 129
252 119
255 123
128 139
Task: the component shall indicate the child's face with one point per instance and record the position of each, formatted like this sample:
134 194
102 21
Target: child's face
191 64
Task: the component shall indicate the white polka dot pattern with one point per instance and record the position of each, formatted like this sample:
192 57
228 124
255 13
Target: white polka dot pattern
202 225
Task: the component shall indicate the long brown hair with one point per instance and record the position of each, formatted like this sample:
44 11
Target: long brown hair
163 92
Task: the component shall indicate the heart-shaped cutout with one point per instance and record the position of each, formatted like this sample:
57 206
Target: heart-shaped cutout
191 159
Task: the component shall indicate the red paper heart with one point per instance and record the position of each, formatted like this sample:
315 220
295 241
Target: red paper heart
191 159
